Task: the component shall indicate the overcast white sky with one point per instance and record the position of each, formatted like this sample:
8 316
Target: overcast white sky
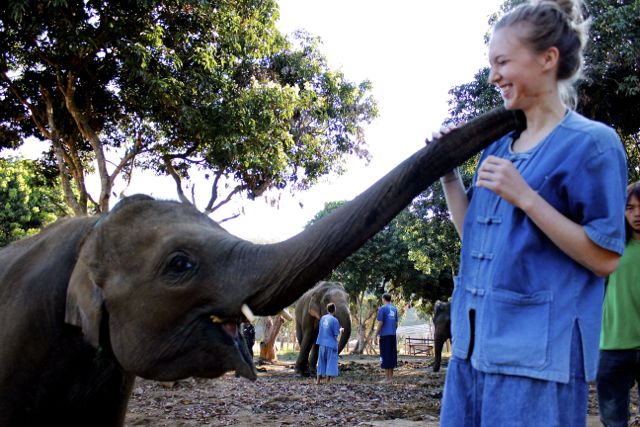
413 52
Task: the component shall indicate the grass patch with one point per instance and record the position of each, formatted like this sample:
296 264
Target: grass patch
287 355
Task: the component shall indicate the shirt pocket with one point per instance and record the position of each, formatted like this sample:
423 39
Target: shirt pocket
517 332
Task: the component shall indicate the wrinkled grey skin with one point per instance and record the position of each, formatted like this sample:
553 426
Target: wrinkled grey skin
442 330
309 309
92 302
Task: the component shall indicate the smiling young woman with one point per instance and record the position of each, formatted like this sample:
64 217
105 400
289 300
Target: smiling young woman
540 227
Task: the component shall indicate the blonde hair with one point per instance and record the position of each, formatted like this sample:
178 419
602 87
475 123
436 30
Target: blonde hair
554 23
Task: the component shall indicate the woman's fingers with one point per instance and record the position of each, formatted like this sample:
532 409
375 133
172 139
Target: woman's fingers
439 133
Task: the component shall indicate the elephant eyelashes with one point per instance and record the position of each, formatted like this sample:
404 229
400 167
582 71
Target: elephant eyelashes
178 265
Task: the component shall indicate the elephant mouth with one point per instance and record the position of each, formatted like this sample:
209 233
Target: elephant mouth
231 326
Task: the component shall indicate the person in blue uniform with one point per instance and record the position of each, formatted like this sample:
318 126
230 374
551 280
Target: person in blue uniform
387 324
327 341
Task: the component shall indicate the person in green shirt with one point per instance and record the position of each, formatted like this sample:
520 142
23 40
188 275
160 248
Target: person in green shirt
619 364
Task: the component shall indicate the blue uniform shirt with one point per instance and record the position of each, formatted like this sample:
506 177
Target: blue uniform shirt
388 314
523 293
329 329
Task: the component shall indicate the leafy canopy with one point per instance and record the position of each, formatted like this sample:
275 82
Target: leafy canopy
177 88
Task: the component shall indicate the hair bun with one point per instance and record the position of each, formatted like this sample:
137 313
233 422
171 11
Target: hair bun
572 8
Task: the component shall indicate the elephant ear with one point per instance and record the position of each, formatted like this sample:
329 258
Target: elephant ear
314 306
85 300
84 303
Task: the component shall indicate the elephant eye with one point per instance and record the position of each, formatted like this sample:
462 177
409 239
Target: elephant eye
179 264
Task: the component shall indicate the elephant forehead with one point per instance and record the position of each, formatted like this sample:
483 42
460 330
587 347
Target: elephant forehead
335 295
148 242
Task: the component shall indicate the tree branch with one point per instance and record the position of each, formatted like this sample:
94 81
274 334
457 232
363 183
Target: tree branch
35 117
229 218
236 190
106 181
60 155
128 158
214 191
176 178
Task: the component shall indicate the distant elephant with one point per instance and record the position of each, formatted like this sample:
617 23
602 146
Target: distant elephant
157 289
309 309
442 333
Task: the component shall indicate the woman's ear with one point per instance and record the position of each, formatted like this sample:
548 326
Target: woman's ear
550 58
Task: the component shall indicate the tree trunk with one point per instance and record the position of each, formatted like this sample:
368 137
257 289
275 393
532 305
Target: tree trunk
363 336
272 327
368 342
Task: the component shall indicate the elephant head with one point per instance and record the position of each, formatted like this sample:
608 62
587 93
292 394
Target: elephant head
309 309
320 296
157 289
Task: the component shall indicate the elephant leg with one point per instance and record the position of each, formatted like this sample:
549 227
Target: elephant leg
439 343
302 363
313 357
299 334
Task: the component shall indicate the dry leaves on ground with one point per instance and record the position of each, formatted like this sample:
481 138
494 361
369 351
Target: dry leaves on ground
280 398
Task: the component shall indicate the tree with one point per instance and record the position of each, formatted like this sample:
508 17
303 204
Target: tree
382 262
29 199
610 91
271 327
175 88
432 242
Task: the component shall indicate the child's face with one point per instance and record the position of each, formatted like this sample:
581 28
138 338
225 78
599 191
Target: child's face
632 214
522 76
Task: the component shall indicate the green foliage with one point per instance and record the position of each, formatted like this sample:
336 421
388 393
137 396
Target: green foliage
471 99
28 200
176 88
433 244
610 91
385 261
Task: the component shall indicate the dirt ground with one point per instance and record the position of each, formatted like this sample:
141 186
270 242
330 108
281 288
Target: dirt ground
279 398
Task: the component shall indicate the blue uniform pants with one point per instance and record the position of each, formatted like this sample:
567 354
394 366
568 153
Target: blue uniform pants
388 352
327 362
473 398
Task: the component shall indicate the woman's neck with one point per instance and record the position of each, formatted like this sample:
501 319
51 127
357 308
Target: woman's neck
540 122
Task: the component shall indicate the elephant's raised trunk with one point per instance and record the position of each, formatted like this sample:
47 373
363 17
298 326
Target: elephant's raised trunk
344 317
286 270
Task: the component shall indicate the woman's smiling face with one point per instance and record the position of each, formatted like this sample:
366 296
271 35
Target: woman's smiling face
522 76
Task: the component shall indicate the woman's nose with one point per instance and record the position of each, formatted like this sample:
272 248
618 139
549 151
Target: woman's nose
493 76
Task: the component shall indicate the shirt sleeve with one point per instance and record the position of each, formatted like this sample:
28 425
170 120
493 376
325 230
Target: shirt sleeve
598 195
380 314
336 327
